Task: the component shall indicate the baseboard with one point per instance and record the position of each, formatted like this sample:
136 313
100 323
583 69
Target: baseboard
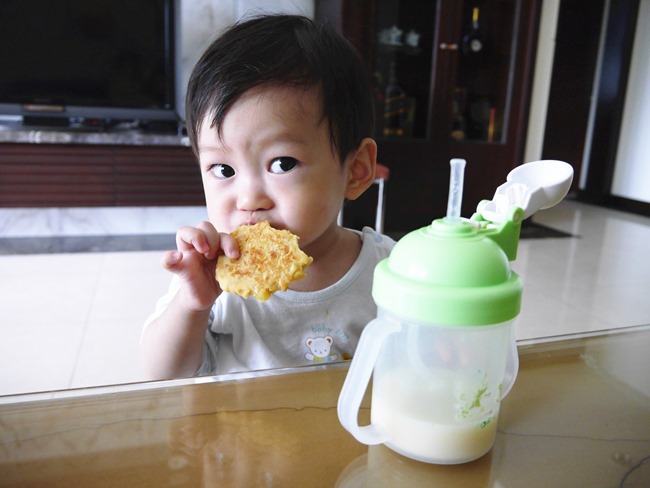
617 203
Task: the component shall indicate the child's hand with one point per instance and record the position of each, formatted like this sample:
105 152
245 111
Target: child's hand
195 262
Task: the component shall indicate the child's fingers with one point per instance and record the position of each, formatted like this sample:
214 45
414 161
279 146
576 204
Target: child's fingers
171 259
206 240
218 241
200 289
212 239
192 239
229 246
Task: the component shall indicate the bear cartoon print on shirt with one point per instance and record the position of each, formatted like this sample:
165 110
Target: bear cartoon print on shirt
319 349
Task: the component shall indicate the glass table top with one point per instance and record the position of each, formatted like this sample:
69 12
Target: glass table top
578 415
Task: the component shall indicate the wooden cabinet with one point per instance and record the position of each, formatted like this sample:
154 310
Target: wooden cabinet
63 175
451 80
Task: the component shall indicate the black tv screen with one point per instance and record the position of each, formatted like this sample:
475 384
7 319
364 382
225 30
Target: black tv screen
99 59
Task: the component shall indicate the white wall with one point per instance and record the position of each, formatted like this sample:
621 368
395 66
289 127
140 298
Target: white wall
199 22
542 80
632 172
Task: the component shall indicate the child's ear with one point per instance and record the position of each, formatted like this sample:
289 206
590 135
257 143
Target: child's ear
361 169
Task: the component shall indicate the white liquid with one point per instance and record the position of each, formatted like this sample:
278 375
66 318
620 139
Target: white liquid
423 427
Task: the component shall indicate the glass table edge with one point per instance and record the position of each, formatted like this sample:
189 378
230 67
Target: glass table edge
524 346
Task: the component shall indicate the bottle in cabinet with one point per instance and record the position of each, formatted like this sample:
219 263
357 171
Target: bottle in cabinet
473 42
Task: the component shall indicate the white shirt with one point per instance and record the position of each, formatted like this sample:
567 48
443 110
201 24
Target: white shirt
291 328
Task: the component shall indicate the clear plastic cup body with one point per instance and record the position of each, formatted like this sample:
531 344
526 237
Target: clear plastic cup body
437 390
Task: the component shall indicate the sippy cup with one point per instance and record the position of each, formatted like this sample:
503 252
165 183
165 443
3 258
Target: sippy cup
442 350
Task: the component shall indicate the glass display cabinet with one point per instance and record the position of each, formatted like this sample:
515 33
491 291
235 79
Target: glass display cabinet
450 79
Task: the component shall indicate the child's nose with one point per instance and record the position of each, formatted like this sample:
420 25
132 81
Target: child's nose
252 196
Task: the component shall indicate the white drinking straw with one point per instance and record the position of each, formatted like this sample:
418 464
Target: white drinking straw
455 197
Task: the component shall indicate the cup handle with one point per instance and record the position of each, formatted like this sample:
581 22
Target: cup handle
512 365
358 377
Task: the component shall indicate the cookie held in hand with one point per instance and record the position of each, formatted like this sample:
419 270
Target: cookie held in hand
269 260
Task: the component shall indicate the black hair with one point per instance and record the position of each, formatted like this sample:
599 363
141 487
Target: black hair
286 50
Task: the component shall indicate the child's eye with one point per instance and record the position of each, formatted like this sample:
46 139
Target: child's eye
222 171
283 164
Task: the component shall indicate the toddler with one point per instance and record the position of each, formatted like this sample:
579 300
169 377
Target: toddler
279 115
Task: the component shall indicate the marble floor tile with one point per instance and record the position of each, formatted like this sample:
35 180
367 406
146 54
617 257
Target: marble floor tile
100 221
79 244
40 355
597 280
108 354
129 286
48 288
72 320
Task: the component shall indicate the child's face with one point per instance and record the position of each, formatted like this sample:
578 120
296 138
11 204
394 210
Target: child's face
273 162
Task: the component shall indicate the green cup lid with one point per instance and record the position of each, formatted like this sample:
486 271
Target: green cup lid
449 272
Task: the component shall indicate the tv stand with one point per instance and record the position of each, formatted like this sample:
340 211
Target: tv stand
63 167
45 121
80 124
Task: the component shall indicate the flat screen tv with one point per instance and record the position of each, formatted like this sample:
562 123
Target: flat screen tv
74 61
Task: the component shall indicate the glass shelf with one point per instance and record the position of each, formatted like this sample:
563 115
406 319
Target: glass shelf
401 63
483 81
